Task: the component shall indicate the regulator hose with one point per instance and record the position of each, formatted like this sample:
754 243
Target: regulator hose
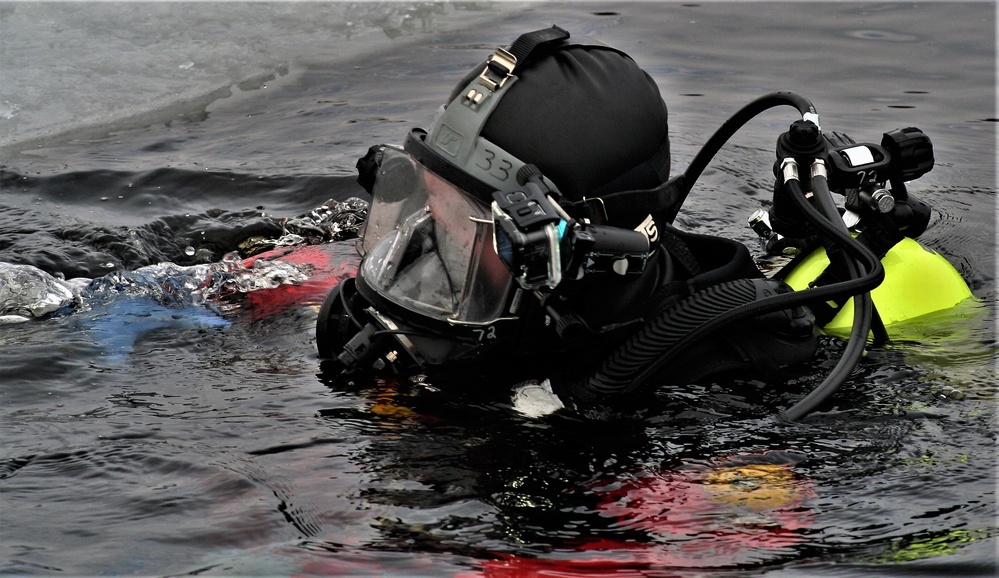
633 365
727 130
863 311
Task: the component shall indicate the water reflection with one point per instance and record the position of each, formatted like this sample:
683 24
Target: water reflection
478 480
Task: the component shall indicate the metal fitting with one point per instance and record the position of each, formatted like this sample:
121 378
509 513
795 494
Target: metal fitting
819 169
759 222
883 201
789 169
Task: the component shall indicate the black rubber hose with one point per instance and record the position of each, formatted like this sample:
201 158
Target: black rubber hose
725 132
862 312
626 369
616 375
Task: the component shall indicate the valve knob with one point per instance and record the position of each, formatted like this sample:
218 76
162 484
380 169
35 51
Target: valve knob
802 140
911 152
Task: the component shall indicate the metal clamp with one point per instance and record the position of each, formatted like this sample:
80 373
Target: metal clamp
499 67
595 210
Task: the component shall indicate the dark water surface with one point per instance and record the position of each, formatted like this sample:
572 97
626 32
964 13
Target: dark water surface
138 442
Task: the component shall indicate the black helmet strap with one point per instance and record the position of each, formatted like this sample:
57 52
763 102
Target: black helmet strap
504 62
629 204
522 48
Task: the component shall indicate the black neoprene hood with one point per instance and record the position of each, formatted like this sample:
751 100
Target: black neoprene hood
588 117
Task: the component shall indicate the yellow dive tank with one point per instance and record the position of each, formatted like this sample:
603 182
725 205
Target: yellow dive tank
917 282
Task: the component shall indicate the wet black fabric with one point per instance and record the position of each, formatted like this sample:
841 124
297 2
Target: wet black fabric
588 117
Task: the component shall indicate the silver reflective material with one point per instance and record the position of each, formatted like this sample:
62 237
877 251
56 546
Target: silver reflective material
27 292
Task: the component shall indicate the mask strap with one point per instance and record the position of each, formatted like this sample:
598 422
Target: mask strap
454 133
504 62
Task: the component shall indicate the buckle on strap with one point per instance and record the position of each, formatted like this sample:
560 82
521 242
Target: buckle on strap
595 210
499 67
592 209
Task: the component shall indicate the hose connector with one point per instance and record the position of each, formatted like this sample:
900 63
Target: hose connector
789 169
819 169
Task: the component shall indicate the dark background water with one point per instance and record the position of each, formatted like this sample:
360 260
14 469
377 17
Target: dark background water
131 132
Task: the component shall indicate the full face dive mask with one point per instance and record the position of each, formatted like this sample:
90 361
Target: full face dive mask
465 219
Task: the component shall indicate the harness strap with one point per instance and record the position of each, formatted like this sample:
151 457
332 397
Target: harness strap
679 250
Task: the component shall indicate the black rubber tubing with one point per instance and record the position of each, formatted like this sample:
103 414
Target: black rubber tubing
863 311
616 375
630 366
728 129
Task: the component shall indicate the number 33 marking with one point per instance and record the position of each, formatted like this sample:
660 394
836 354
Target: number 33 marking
499 168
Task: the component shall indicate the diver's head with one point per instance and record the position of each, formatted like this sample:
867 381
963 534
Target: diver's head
586 115
431 288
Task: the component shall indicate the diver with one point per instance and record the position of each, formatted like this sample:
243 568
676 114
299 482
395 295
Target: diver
529 232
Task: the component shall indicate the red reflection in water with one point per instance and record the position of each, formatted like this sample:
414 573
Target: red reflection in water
721 517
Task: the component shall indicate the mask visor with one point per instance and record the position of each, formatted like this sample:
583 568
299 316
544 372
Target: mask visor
428 246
